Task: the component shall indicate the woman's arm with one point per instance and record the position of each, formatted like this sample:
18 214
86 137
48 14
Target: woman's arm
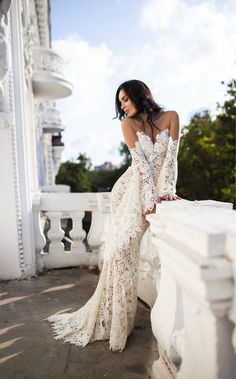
168 176
142 166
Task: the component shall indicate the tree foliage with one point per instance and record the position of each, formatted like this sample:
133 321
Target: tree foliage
103 181
207 153
76 175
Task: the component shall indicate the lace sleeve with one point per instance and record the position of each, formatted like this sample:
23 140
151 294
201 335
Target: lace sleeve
143 168
168 175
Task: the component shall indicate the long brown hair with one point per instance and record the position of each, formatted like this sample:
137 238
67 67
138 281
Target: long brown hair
141 96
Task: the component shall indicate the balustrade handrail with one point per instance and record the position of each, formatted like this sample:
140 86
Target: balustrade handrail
47 59
77 201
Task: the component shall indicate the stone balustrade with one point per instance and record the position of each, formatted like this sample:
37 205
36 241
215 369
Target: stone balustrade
47 60
50 121
194 316
51 210
187 268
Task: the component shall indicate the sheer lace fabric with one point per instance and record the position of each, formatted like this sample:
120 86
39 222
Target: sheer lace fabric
109 314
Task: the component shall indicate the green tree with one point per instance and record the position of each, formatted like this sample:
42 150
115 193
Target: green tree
207 154
76 175
225 138
103 181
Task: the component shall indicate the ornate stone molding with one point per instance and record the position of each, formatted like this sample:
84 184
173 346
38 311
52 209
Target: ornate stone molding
5 120
44 24
4 44
15 171
30 39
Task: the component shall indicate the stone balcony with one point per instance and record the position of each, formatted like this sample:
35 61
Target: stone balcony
48 75
51 121
187 272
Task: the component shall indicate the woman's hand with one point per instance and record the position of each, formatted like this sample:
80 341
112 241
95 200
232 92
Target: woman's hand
171 197
150 211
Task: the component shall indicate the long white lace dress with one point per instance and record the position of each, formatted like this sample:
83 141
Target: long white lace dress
109 314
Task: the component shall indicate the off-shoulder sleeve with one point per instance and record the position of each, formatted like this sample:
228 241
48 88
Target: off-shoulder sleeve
143 168
169 171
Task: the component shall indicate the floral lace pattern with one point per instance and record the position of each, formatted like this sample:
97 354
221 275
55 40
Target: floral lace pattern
168 174
109 314
144 173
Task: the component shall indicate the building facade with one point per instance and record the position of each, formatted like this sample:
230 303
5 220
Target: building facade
31 79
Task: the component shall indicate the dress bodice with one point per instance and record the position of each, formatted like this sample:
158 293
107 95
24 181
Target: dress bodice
154 152
156 161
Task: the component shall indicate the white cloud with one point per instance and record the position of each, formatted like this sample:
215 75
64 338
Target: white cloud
196 44
159 14
198 38
190 50
89 111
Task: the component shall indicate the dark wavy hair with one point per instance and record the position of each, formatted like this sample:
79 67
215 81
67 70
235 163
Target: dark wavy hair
141 97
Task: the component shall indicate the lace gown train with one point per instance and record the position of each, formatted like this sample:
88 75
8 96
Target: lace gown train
109 314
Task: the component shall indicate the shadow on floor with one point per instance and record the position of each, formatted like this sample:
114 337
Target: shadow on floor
28 349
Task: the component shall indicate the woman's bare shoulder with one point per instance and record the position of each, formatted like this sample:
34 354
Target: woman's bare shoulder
128 123
169 114
129 133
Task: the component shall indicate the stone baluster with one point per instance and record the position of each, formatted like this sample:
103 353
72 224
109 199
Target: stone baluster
94 237
78 234
39 236
56 256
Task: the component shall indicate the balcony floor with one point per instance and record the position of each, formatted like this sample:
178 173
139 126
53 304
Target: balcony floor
29 351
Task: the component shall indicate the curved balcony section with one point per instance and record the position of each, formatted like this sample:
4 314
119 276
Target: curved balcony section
51 122
48 76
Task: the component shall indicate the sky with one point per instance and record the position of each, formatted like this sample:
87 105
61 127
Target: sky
182 49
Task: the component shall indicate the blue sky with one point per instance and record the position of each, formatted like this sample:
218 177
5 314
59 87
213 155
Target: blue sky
112 22
182 49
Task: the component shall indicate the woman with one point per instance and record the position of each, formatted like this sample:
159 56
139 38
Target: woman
152 138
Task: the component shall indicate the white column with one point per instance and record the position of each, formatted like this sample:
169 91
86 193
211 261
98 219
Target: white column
18 256
11 253
23 149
